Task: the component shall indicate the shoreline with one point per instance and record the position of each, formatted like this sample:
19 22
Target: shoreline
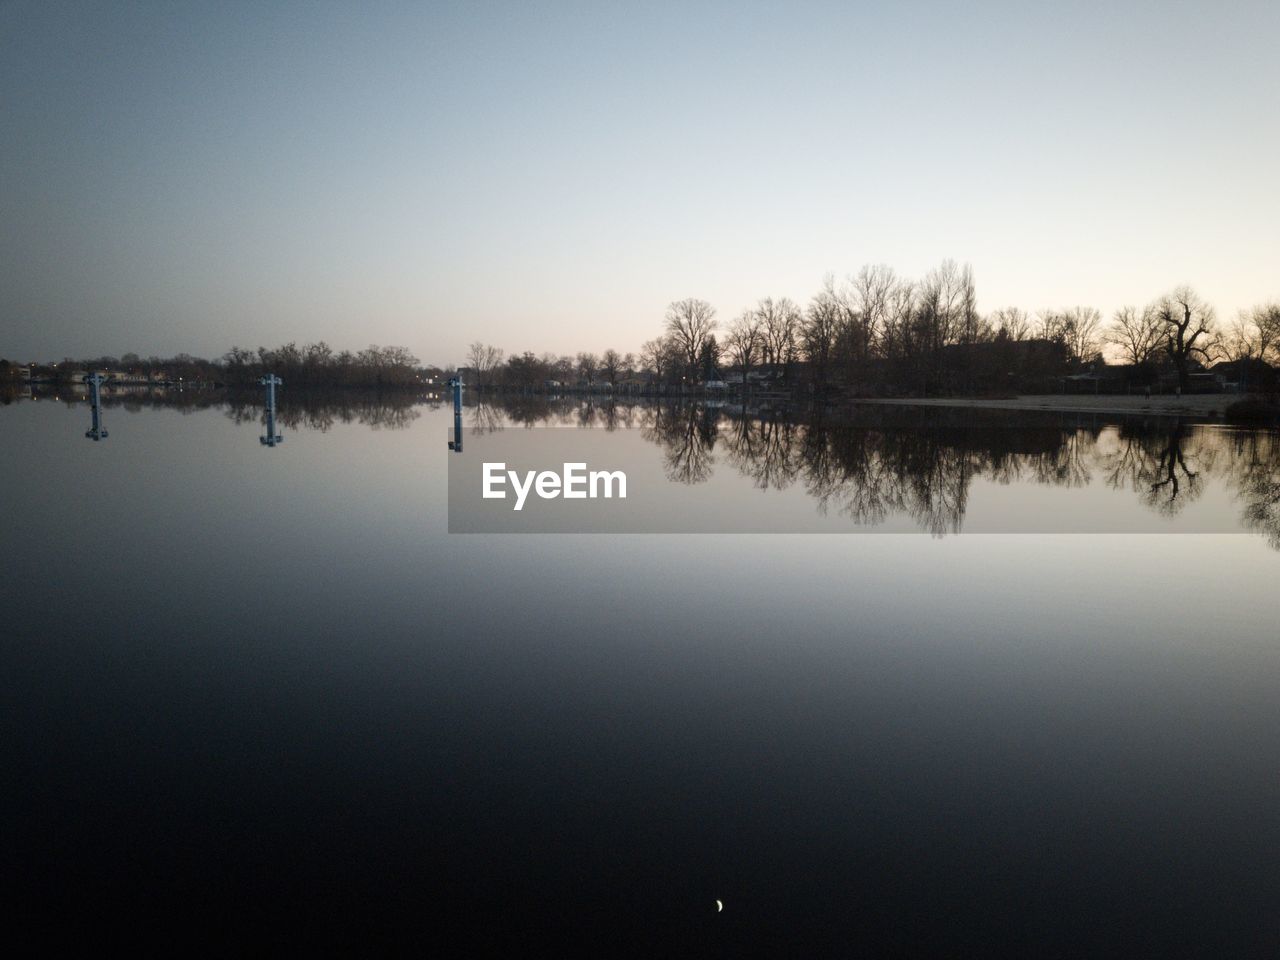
1210 406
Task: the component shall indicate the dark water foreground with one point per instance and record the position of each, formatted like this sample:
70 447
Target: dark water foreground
253 688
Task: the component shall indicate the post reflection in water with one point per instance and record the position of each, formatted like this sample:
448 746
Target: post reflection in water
455 386
271 381
96 430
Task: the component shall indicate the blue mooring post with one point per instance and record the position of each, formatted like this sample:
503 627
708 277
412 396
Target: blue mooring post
95 382
456 443
271 381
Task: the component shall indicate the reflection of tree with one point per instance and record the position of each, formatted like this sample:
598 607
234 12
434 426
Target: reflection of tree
935 478
320 411
523 411
873 463
1255 470
614 415
1164 465
845 465
485 418
1065 464
687 436
1175 484
868 464
767 450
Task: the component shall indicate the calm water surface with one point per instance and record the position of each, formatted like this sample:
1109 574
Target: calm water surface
248 685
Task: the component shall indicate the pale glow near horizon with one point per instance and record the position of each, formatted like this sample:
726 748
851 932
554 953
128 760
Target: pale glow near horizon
548 178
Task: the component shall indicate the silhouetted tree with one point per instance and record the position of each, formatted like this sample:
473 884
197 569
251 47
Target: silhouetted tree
820 330
745 342
611 366
780 325
1014 322
483 359
1187 323
689 324
1136 333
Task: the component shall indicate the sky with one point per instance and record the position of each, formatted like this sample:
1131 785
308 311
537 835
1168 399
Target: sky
549 176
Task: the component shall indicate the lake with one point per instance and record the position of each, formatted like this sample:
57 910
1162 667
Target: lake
251 685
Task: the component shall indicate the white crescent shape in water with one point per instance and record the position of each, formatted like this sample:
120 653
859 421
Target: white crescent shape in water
719 906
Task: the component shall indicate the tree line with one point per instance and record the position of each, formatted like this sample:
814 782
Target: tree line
311 364
878 332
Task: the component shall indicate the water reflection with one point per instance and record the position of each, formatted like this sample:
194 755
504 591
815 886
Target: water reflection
869 464
316 410
96 430
877 462
1166 469
455 390
271 438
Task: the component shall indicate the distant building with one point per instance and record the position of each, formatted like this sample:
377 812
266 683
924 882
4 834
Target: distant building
1099 380
1241 376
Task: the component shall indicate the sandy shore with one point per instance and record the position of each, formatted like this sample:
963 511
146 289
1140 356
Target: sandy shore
1195 405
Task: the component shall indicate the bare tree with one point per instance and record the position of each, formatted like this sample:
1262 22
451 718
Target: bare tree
971 327
1267 317
1051 325
820 329
689 325
586 365
484 359
1188 327
898 337
1137 334
1077 329
564 368
1014 322
866 302
780 323
661 357
745 341
611 366
1255 334
1081 332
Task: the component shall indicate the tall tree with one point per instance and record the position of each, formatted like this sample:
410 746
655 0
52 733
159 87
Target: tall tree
1080 331
689 324
1014 322
820 329
1188 327
780 324
1136 333
709 361
866 302
483 359
611 366
587 365
662 358
745 341
1255 335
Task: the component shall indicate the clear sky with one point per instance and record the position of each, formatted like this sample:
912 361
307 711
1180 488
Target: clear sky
548 176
